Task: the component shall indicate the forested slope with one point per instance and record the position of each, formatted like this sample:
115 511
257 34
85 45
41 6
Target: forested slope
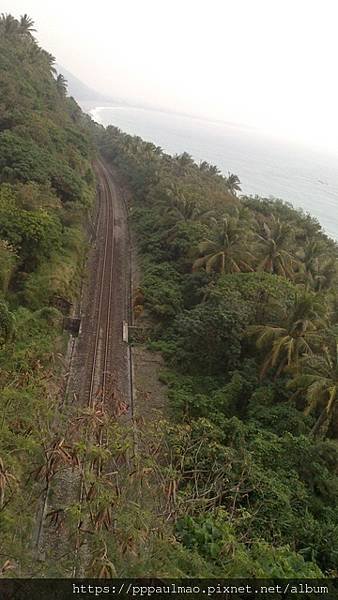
46 188
239 294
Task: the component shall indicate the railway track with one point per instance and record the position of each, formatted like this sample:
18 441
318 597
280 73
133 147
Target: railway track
99 364
100 369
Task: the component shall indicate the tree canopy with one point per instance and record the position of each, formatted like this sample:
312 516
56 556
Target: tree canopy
248 330
239 477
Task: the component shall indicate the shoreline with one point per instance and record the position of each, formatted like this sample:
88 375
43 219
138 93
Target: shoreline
268 170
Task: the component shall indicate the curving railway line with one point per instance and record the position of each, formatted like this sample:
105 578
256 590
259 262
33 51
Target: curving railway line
100 369
97 367
103 368
106 372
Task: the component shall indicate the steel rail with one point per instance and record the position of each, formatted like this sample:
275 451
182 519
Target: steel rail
103 322
102 289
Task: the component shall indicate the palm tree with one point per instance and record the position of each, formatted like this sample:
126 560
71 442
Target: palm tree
273 248
318 380
26 25
232 184
294 336
206 167
316 270
185 209
185 161
8 24
61 85
38 54
327 275
224 252
309 257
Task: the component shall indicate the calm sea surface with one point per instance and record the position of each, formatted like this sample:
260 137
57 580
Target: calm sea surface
265 166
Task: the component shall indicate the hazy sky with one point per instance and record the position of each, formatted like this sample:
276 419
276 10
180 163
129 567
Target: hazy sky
271 64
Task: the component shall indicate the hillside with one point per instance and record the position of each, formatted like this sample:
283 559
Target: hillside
239 295
234 301
46 190
84 94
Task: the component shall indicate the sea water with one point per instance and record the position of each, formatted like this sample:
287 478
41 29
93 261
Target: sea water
266 166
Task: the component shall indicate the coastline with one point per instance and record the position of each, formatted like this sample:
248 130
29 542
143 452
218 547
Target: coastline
266 168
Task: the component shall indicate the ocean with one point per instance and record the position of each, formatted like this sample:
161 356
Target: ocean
265 166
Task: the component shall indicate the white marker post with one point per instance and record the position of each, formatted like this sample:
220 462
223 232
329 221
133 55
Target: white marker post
125 331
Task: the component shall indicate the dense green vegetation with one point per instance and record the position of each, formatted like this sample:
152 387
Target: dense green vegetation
46 188
239 295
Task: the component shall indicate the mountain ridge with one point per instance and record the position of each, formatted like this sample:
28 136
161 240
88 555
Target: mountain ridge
83 93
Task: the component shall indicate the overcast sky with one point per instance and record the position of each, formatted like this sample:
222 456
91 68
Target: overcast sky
271 64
